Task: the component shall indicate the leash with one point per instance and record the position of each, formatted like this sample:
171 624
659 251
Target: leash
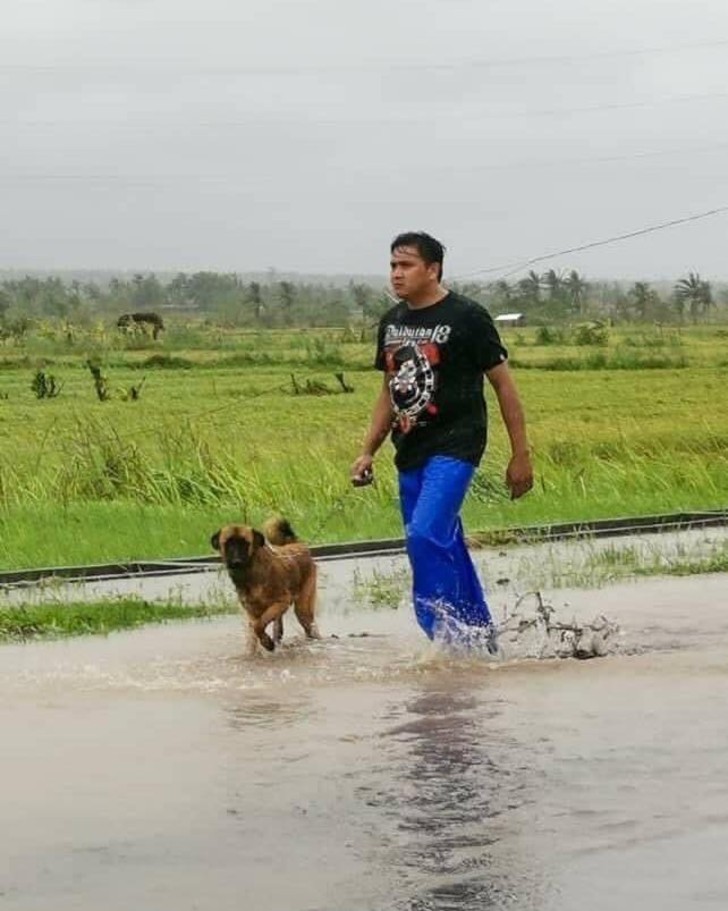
363 480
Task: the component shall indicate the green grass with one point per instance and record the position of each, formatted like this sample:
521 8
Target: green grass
218 434
591 566
584 564
57 620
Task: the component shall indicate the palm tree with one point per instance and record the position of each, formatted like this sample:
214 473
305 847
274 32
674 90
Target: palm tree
576 289
502 292
642 297
530 288
695 292
554 283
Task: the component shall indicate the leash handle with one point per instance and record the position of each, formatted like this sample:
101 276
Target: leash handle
364 479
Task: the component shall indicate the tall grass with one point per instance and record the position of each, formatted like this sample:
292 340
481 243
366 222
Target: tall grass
616 359
217 436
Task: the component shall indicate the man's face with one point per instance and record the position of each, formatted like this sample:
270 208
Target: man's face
410 274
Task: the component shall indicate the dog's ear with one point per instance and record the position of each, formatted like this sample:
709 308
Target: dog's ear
215 540
258 540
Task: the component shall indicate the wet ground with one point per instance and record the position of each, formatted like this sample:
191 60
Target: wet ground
161 769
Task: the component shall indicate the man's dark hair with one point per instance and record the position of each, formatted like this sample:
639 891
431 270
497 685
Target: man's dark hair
429 248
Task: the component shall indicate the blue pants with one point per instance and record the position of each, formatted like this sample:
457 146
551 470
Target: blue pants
448 596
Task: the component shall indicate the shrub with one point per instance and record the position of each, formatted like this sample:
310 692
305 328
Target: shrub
591 334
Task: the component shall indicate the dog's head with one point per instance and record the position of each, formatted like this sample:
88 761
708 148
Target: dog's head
237 544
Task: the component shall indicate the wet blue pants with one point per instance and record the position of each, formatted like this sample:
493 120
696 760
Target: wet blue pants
448 596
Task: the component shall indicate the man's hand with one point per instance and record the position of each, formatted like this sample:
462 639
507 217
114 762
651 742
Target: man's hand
519 475
361 470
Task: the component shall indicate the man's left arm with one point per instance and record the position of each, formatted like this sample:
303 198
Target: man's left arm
519 474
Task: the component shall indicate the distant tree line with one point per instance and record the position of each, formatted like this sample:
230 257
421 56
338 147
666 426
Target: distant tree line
544 298
559 297
224 297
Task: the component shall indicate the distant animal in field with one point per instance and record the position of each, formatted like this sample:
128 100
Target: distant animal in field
144 321
270 571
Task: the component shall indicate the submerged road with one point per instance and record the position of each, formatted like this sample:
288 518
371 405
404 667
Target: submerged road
161 769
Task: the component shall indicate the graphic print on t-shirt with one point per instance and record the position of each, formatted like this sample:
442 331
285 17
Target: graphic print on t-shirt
412 356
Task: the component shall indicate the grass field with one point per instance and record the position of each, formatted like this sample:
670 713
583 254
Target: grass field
54 620
638 425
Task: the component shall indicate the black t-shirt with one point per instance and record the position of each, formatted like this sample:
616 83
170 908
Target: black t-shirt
434 359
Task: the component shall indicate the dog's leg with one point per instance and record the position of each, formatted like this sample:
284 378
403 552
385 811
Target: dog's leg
278 629
251 640
274 612
305 606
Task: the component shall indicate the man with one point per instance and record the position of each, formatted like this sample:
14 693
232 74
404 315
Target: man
434 348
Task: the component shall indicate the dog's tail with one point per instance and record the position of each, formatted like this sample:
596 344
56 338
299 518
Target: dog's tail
278 531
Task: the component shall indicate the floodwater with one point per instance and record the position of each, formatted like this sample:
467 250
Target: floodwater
162 769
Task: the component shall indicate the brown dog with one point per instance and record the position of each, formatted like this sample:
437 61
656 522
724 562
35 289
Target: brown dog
270 575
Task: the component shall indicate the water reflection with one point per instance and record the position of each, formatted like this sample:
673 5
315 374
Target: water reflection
455 784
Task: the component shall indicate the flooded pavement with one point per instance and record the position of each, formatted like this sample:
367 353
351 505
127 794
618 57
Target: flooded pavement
161 769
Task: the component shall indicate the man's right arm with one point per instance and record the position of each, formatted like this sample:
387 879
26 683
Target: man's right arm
379 428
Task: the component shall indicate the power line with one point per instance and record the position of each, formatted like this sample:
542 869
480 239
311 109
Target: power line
514 267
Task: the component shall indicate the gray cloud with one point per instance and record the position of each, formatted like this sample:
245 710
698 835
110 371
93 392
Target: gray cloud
303 135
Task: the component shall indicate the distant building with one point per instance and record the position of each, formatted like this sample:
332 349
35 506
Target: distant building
511 319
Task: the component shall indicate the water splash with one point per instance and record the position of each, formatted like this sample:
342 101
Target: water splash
531 629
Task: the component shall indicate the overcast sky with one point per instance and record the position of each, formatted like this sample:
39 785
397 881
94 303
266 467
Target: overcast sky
303 134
